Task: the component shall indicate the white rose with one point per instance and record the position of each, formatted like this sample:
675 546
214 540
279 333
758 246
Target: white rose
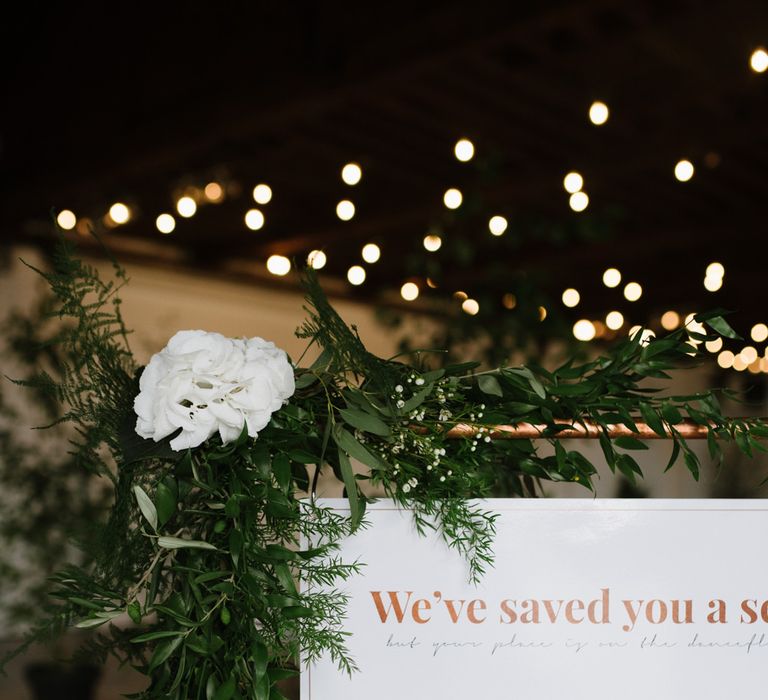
205 383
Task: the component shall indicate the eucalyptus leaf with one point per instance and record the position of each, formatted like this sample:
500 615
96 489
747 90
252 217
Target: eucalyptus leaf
146 506
179 543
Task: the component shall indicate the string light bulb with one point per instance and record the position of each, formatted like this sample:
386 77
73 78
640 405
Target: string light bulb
759 332
254 219
278 265
614 320
611 277
571 298
725 359
66 219
452 198
186 206
573 182
684 170
633 291
464 150
497 225
758 61
356 275
670 320
409 291
432 242
598 113
213 192
262 194
578 201
584 330
165 223
715 269
317 259
713 284
715 345
351 174
345 210
371 253
470 306
119 213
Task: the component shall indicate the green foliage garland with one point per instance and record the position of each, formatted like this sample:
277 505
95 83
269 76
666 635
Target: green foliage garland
225 570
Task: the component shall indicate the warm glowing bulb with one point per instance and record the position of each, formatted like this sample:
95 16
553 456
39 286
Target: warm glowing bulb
459 295
432 242
715 345
470 306
278 265
254 219
684 170
497 225
66 219
214 192
614 320
452 198
464 150
262 193
758 61
165 223
748 355
571 298
345 210
509 301
633 291
670 320
542 313
119 213
356 275
371 253
573 182
759 332
598 113
316 259
645 334
584 330
611 277
409 291
715 269
186 206
725 359
351 173
738 364
578 201
712 284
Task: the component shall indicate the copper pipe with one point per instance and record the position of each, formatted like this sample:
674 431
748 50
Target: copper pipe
589 431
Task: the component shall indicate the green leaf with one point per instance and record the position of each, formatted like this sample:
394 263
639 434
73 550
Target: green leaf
134 612
489 385
163 652
346 441
281 467
166 503
365 421
235 545
350 485
150 636
417 399
226 690
651 417
721 326
692 462
146 506
671 414
673 457
283 573
629 443
178 543
259 659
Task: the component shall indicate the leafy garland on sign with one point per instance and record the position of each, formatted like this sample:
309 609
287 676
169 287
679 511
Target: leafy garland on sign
203 549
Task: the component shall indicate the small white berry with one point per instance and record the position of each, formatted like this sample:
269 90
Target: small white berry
419 381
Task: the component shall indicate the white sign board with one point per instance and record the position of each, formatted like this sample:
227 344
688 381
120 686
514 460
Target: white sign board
637 599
